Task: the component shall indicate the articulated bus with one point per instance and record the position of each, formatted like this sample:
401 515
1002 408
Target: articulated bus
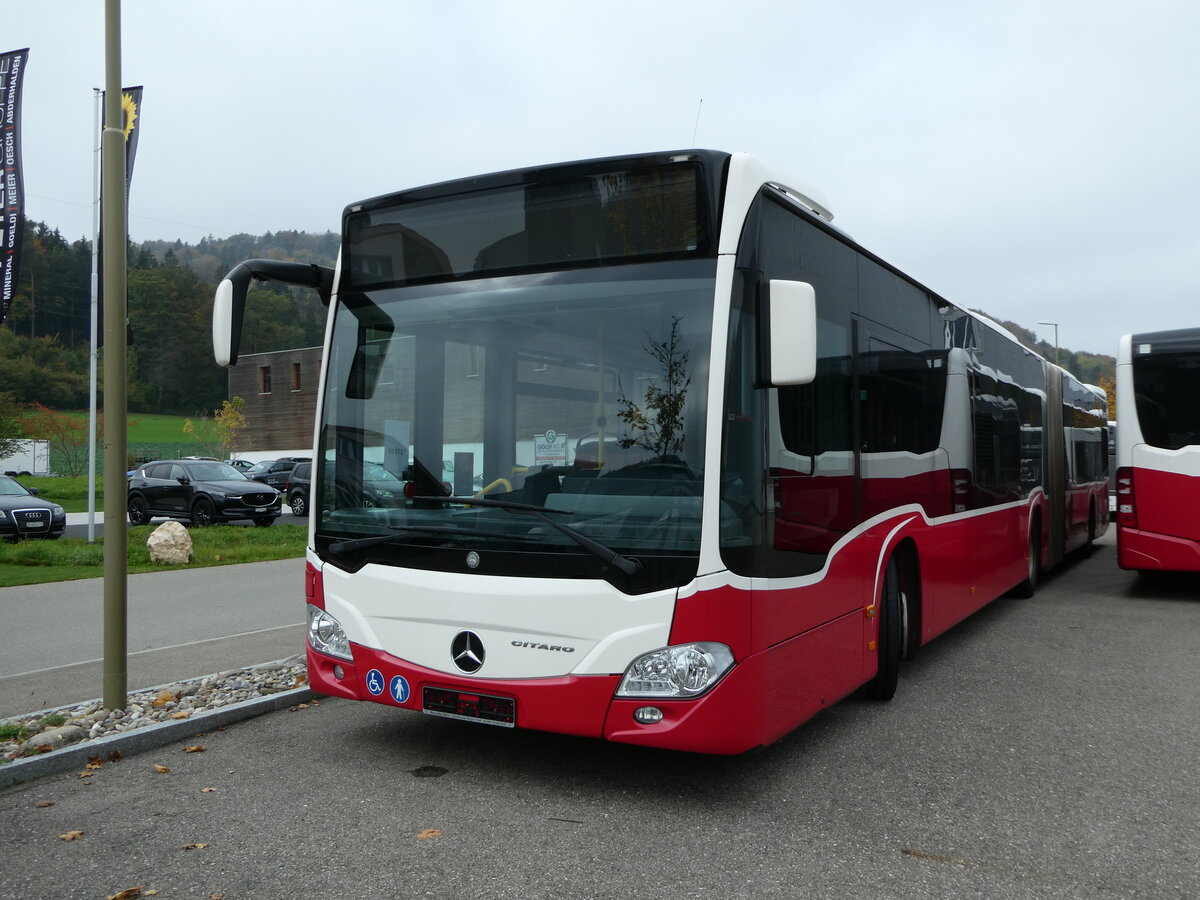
1158 451
679 463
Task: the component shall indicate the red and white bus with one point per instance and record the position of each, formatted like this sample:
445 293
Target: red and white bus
1158 451
679 463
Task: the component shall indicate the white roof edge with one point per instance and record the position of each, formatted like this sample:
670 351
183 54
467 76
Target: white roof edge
747 175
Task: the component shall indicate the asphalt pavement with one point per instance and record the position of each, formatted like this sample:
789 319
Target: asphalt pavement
180 624
1043 748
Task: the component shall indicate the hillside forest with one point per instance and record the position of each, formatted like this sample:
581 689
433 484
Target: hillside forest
44 341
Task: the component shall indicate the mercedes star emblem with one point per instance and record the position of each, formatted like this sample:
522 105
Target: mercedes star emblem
467 651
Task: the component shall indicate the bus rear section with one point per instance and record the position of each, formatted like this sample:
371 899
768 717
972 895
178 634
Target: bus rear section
1158 451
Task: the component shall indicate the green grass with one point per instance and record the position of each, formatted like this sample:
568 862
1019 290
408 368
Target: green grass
69 493
149 428
40 561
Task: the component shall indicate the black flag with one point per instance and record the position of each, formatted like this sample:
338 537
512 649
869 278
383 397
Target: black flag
12 188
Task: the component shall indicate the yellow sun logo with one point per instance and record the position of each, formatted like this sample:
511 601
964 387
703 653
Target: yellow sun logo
129 113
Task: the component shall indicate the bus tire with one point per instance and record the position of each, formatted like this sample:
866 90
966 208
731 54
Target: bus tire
1091 532
1028 587
891 613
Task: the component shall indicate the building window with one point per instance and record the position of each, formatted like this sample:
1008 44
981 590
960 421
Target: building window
264 379
295 376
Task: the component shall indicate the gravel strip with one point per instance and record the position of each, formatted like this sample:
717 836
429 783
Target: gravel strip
48 730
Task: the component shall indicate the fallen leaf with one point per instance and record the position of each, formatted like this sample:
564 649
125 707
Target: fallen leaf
127 894
150 893
115 755
71 835
209 790
42 804
182 714
196 748
160 769
87 774
164 697
194 846
428 833
95 763
216 897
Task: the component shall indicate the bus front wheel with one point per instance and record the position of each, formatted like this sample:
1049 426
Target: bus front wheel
892 612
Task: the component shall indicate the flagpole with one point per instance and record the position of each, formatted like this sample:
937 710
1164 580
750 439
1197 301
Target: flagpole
94 354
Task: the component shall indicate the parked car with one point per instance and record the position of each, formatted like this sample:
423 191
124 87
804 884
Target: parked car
240 464
201 491
24 514
297 488
379 488
275 473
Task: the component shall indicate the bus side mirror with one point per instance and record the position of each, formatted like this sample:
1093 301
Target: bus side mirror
229 303
791 312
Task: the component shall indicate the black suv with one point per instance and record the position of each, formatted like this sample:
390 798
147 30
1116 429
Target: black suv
297 487
201 491
276 473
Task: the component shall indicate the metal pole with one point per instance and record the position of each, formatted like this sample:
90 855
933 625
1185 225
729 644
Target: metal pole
114 231
94 353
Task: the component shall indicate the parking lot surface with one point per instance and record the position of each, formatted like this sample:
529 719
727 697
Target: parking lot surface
1044 748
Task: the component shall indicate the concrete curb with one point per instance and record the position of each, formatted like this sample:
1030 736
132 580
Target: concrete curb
128 743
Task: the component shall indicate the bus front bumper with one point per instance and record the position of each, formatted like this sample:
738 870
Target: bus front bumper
721 721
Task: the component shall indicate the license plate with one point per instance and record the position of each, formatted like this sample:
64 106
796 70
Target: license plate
261 509
29 525
482 708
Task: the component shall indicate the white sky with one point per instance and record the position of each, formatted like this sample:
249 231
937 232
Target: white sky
1037 159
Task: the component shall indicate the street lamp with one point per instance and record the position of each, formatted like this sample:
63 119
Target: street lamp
1055 326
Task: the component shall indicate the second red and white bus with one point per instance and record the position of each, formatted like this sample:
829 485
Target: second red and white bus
1158 451
682 463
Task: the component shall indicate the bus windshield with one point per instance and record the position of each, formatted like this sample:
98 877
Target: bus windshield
580 394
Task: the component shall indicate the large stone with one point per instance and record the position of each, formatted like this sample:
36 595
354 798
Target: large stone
54 738
170 543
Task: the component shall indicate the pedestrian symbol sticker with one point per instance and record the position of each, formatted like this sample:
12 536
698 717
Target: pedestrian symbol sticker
375 682
399 688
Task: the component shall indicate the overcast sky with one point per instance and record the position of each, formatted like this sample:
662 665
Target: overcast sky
1037 159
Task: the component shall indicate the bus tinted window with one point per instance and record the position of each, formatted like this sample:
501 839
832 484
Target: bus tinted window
622 215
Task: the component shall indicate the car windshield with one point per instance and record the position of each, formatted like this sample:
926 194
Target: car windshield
376 472
582 392
259 468
214 471
10 488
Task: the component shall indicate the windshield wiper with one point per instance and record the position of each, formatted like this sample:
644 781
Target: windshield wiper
626 564
339 548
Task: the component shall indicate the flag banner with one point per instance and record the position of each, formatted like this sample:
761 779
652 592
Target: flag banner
12 188
131 114
131 111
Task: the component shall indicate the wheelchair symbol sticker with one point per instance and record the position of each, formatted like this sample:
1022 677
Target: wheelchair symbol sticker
399 688
375 682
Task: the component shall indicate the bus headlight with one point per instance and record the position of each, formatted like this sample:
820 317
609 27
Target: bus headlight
326 635
686 670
